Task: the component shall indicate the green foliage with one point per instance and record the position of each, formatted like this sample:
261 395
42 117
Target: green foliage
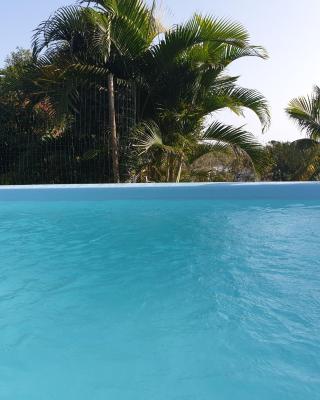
35 146
221 165
299 160
178 75
305 111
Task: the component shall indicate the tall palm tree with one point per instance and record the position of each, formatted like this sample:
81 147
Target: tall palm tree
89 42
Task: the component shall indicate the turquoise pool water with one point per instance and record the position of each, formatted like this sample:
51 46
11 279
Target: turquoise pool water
160 299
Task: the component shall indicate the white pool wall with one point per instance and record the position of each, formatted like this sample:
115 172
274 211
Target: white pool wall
183 191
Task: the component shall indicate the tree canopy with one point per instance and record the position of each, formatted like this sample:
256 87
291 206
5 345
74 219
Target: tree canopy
100 55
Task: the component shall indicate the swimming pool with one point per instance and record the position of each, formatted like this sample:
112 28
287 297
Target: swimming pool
160 292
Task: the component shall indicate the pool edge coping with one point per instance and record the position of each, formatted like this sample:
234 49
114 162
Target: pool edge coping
150 185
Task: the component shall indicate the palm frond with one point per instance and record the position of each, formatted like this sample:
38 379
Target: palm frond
134 13
225 136
305 111
199 30
68 25
148 136
242 98
230 53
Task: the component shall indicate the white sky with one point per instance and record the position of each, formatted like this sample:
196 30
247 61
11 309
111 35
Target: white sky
287 28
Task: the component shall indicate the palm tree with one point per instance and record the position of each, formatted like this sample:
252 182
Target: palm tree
95 42
162 157
305 112
179 75
190 86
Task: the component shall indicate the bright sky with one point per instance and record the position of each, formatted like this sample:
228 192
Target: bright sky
289 31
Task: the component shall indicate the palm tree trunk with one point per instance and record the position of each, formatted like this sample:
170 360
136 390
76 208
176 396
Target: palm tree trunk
171 169
167 169
179 170
113 129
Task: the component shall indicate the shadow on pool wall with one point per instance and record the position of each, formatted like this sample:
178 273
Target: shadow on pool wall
188 191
